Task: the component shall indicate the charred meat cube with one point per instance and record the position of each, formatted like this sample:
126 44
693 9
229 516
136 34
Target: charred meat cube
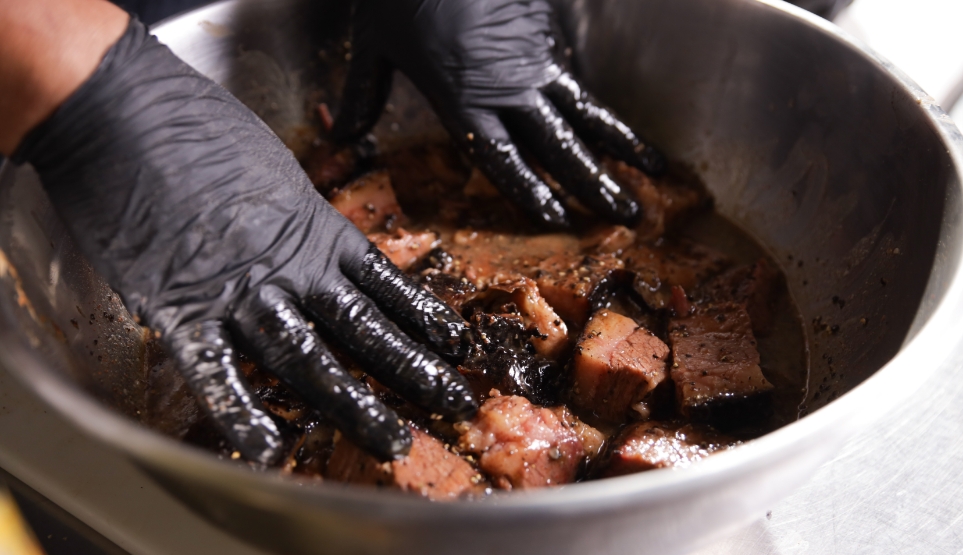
369 202
537 315
429 470
716 367
573 285
486 258
755 286
523 446
617 365
657 268
650 445
667 201
404 248
453 290
501 356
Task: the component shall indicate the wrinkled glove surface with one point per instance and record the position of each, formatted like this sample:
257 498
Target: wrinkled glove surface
487 67
203 222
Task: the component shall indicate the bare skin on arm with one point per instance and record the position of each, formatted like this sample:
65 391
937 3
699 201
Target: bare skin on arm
47 49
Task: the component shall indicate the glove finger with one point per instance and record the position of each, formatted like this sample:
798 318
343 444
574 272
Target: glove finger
363 98
555 145
208 362
484 136
351 319
595 123
287 347
416 310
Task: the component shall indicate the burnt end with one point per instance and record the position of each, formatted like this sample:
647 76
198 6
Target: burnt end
455 291
574 286
501 356
656 269
522 297
429 470
617 367
715 367
521 446
650 445
667 201
756 286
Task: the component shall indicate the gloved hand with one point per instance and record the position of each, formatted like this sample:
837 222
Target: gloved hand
204 223
487 68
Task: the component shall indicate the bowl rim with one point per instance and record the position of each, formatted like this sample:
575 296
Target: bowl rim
922 352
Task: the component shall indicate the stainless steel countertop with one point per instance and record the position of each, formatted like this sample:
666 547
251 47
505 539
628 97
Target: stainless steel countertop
894 489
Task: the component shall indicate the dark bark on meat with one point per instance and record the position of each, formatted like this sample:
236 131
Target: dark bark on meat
575 287
617 366
716 367
453 290
657 268
502 357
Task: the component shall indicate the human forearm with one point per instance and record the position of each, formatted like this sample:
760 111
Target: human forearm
47 49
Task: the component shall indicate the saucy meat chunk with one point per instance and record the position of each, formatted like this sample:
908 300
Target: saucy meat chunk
571 283
404 248
617 364
429 470
369 202
716 366
552 334
754 286
658 268
649 445
522 446
666 201
502 357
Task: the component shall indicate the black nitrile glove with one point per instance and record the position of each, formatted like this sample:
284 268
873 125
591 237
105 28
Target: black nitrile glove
202 220
487 68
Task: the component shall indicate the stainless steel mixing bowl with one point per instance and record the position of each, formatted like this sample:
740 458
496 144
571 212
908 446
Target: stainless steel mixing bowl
832 158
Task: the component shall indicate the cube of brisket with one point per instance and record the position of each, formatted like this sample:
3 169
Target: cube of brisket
453 290
522 446
570 284
657 268
537 314
404 248
667 201
501 356
650 445
715 367
429 470
754 285
617 365
369 202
